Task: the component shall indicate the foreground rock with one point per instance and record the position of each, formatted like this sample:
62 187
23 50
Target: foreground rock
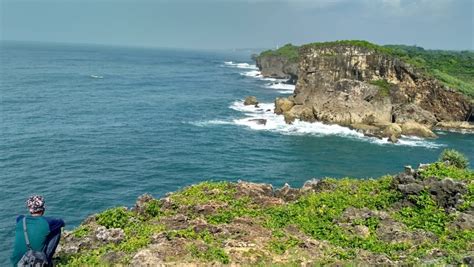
410 218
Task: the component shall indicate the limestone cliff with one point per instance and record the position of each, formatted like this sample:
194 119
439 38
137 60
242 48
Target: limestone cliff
349 83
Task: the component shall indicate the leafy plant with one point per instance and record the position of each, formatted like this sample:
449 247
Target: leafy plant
441 170
455 158
114 218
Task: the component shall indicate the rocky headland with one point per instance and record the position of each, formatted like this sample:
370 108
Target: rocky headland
420 216
366 87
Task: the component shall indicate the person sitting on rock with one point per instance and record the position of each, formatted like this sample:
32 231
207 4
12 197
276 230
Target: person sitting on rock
42 233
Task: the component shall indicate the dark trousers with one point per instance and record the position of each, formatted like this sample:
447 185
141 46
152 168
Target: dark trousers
51 244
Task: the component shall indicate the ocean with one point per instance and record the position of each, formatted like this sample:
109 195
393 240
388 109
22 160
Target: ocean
93 127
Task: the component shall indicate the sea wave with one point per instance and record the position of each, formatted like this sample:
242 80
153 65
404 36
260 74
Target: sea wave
241 65
276 123
96 76
283 88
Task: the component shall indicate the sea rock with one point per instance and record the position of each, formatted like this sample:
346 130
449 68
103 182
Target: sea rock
250 101
283 105
298 112
287 193
455 126
259 121
416 129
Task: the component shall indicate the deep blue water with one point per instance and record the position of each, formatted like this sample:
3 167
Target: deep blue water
93 127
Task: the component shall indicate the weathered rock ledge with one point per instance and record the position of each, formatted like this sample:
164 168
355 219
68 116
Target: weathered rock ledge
410 218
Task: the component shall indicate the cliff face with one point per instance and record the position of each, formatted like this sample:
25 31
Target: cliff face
279 67
348 84
322 70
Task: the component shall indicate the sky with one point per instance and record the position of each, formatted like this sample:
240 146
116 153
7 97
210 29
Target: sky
229 24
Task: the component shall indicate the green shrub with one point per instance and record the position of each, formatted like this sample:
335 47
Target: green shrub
114 218
455 158
441 170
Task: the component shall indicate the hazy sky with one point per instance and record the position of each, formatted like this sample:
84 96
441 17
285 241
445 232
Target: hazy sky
445 24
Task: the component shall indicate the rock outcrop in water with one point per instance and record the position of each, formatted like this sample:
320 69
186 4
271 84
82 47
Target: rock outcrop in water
416 217
355 84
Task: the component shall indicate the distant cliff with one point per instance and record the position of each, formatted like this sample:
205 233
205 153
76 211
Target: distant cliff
367 87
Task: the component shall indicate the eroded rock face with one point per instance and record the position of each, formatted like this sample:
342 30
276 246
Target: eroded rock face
350 85
321 69
278 67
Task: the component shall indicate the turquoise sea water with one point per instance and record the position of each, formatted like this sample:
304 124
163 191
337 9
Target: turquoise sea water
93 127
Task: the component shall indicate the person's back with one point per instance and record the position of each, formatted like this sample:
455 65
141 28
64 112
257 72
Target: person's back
43 232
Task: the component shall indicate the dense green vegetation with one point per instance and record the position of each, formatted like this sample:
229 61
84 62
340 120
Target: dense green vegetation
330 215
454 68
288 51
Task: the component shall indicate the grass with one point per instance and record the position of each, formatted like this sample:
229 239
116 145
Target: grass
441 170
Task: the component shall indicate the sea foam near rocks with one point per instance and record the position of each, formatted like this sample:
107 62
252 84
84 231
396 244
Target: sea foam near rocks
276 123
241 65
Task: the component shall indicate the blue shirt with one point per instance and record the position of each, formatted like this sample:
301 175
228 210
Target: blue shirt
39 229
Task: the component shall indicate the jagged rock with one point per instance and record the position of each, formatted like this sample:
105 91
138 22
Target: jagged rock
142 202
287 193
446 192
392 231
411 112
463 221
416 129
283 105
259 121
254 189
146 257
317 185
410 189
250 101
298 112
111 235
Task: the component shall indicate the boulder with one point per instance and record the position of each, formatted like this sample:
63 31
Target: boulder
250 101
416 129
283 105
411 112
300 112
259 121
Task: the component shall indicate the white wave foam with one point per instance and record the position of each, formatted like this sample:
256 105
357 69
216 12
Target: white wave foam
276 123
210 122
241 65
281 87
96 76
